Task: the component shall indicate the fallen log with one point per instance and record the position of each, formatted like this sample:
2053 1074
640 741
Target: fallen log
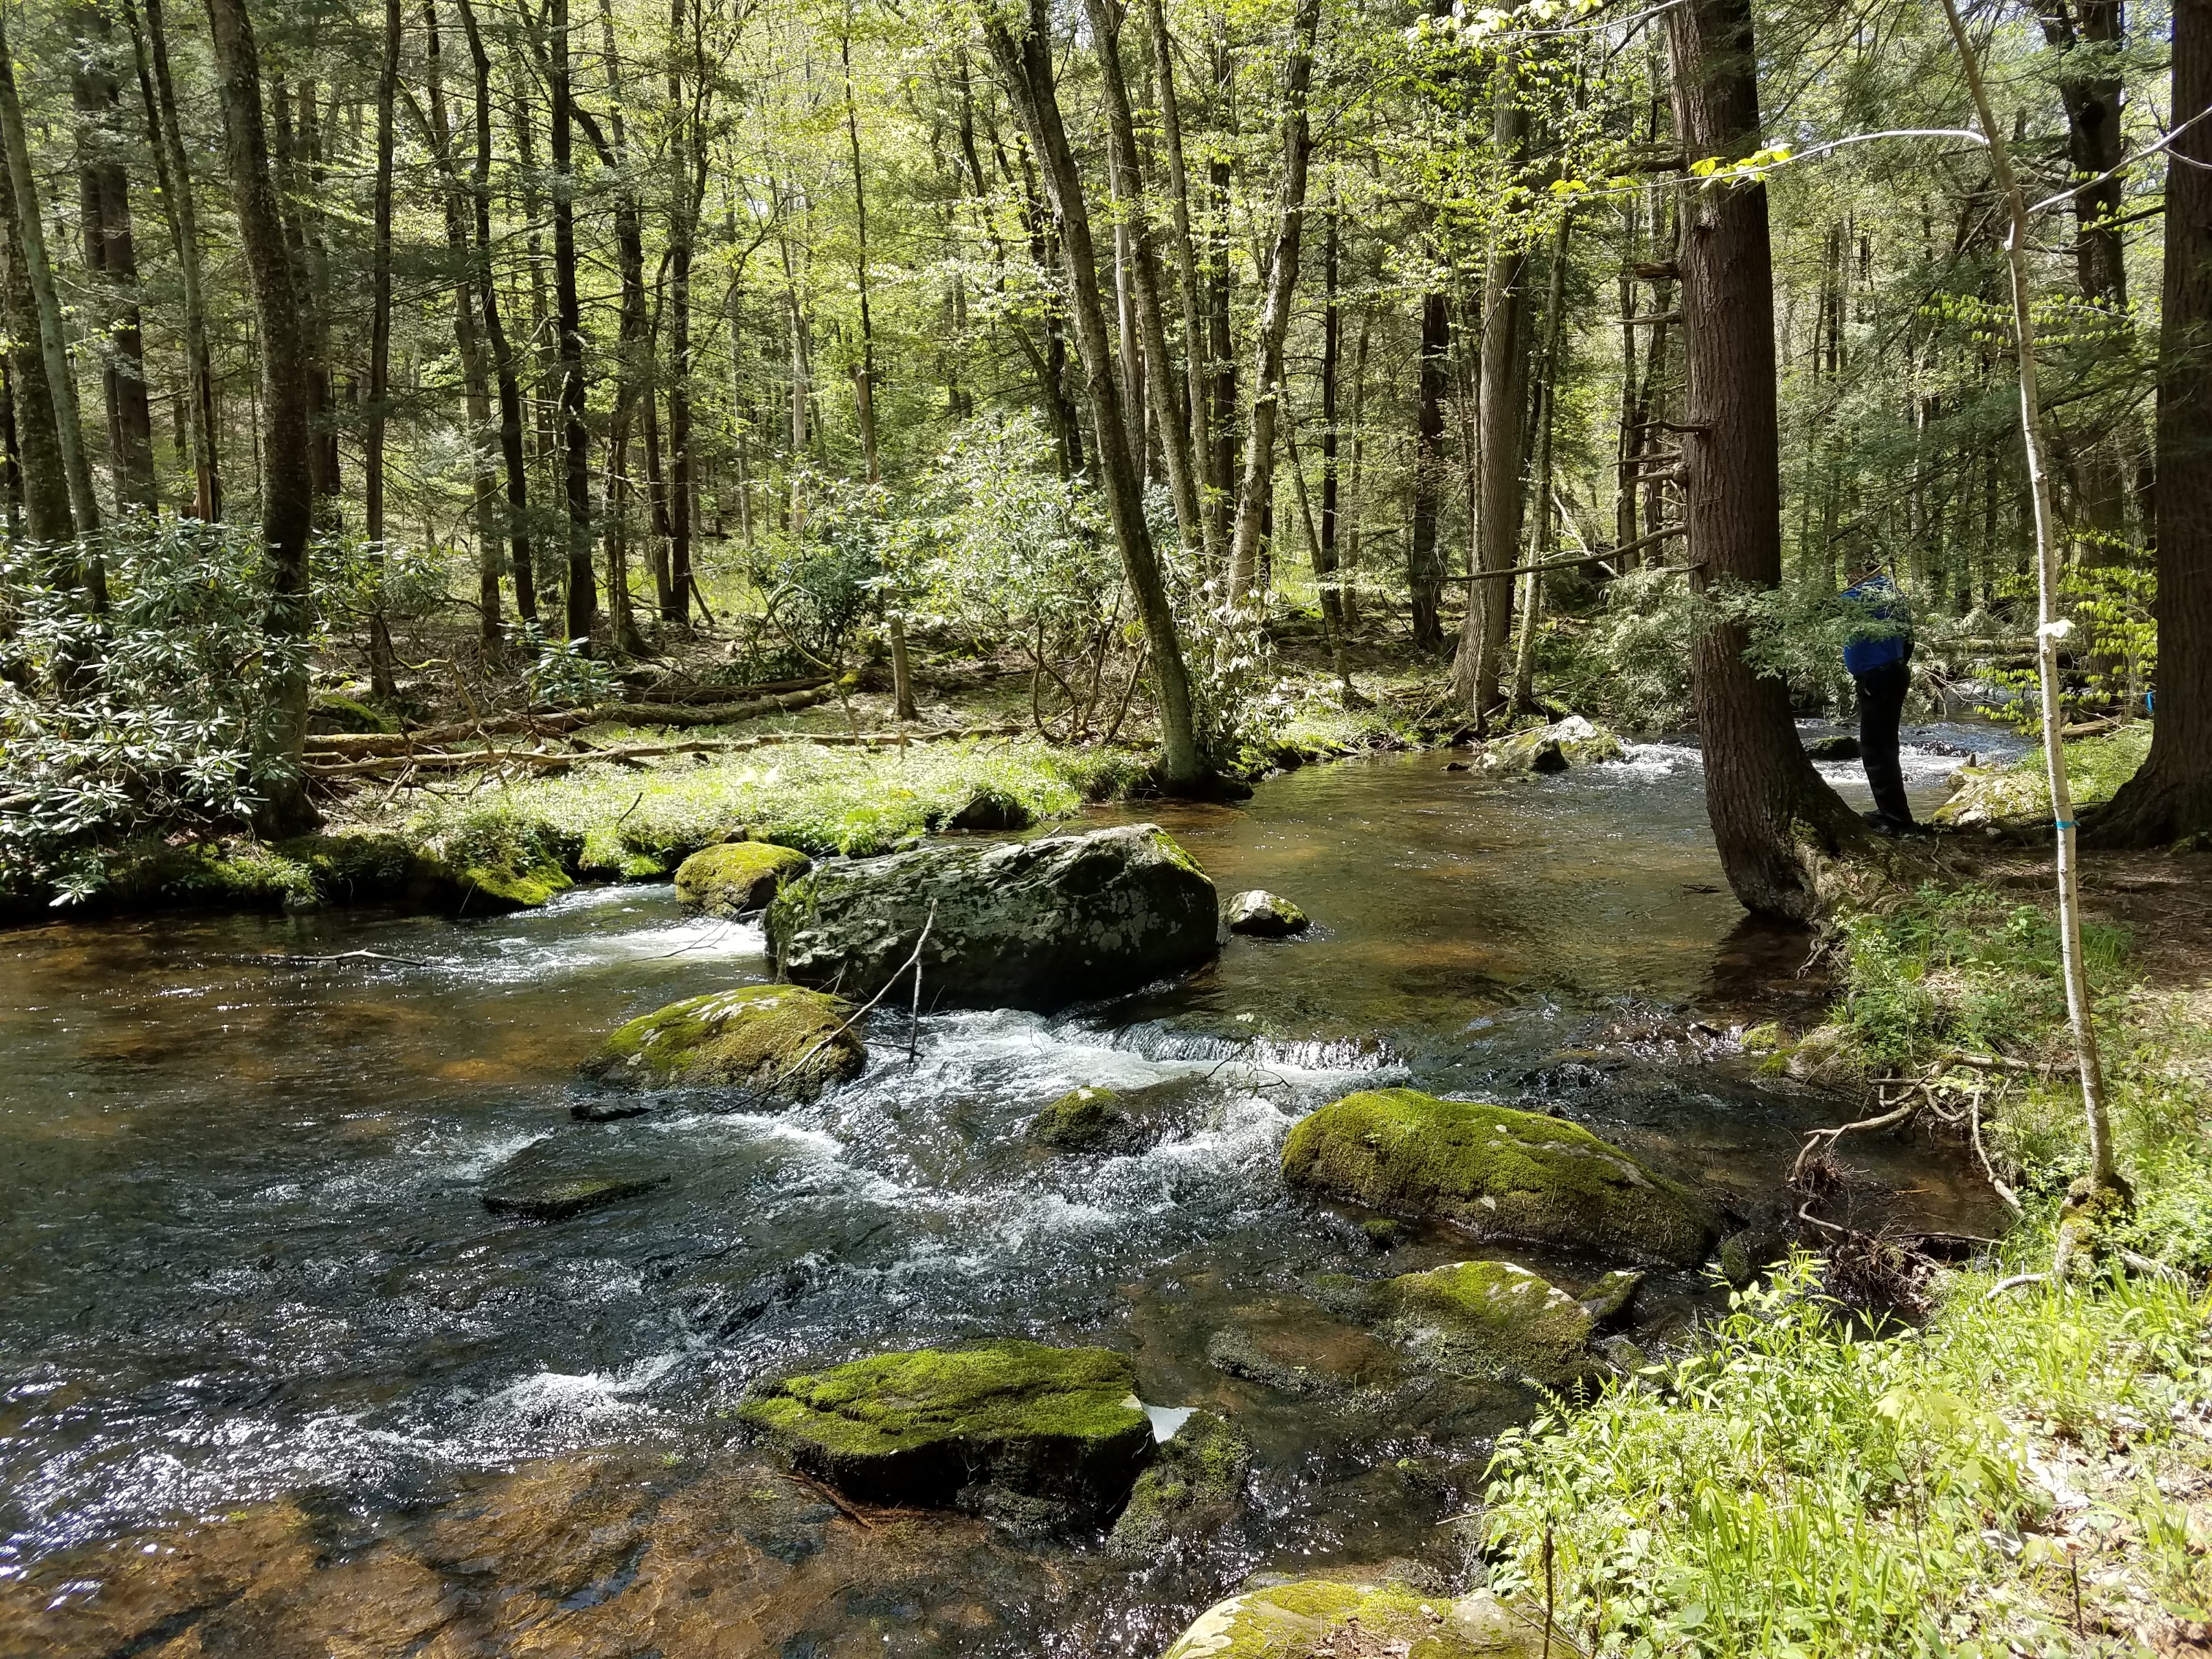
726 714
398 742
723 694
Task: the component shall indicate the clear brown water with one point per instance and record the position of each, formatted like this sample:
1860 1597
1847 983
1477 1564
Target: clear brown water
246 1260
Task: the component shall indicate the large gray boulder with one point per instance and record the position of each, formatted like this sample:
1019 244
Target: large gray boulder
1035 924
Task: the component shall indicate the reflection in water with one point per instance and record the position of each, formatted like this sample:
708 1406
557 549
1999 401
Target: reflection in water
247 1269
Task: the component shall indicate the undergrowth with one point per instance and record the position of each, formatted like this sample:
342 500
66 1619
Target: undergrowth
2029 1472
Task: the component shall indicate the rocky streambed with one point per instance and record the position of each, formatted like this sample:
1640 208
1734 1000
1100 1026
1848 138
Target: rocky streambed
563 1282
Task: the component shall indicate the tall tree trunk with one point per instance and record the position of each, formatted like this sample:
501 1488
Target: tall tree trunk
2170 798
44 477
1540 544
111 258
475 382
287 416
1257 492
1630 442
685 200
1220 341
503 354
1143 313
382 663
1331 353
1761 789
634 350
181 208
1425 569
576 437
38 272
1026 65
1199 430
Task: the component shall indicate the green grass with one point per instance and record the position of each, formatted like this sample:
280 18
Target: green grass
1800 1484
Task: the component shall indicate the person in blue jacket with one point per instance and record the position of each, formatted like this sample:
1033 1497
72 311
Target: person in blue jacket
1879 657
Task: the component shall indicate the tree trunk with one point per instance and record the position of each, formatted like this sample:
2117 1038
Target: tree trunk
1143 313
179 205
2170 799
502 354
47 515
1425 570
38 272
576 437
1220 339
287 417
1761 789
111 258
1257 492
1026 65
1199 429
1332 354
382 661
683 222
1540 544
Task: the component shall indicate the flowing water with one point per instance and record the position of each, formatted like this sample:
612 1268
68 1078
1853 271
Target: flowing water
247 1272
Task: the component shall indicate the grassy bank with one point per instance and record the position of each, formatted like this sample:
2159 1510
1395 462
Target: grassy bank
2027 1471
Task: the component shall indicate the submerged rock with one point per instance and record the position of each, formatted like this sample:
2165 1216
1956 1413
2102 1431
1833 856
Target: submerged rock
1058 1431
1610 1300
1493 1319
1555 748
566 1175
736 877
1497 1173
1033 924
777 1044
1083 1120
1265 916
1327 1618
1841 747
1190 1490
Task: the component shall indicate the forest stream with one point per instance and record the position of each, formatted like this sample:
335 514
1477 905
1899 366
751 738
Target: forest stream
276 1381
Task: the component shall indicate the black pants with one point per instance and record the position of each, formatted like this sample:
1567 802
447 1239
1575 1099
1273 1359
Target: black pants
1881 700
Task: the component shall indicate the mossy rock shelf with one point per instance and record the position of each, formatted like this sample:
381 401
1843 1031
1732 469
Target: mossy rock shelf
1493 1319
1326 1618
1497 1173
1055 1428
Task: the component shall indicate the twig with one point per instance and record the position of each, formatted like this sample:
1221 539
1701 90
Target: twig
1814 1140
897 973
2011 1201
2013 1284
342 955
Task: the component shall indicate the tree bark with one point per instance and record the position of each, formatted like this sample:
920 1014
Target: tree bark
1143 271
576 437
286 418
2170 798
1199 428
382 661
683 225
1257 492
38 272
1332 355
503 354
1761 791
47 518
111 258
1425 570
181 207
1540 546
1026 63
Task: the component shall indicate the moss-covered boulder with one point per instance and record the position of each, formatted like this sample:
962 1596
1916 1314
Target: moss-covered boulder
1327 1618
1612 1299
1190 1490
738 877
1083 1119
1563 745
774 1043
1492 1319
1058 1429
1036 924
1263 914
1497 1173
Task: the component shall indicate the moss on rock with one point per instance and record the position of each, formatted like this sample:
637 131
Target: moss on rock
1263 914
736 877
1191 1488
1083 1119
1062 1425
776 1042
1324 1618
1569 743
1492 1319
1497 1173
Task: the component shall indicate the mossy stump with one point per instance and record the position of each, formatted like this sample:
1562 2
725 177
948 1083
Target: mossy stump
776 1043
1492 1319
738 877
1497 1173
1325 1618
1060 1428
